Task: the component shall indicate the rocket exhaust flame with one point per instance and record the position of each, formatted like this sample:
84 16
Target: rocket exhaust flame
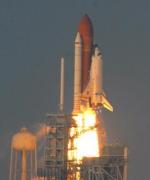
87 142
87 136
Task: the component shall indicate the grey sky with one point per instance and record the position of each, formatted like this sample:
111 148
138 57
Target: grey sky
34 34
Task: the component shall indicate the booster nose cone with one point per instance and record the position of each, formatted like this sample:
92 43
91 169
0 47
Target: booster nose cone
78 38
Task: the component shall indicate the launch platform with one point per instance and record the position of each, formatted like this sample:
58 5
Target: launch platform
112 165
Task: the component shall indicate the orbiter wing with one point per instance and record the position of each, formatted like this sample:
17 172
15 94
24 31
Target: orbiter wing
95 100
106 104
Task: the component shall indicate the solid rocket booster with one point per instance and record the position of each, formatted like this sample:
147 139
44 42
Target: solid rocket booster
86 32
77 72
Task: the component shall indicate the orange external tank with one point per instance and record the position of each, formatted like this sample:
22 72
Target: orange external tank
86 32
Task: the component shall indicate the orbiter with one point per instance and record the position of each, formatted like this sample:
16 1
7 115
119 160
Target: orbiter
88 67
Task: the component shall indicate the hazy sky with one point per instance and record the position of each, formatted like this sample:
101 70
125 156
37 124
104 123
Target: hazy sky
34 34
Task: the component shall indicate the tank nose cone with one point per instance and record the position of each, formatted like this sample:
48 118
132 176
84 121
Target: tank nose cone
85 26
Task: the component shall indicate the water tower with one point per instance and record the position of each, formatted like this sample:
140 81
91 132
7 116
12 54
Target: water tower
23 165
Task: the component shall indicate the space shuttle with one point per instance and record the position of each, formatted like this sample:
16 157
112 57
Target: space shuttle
88 71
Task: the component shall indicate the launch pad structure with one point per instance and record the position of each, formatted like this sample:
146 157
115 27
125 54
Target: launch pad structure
112 165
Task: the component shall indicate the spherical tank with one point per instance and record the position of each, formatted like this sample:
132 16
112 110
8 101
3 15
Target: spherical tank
86 32
24 140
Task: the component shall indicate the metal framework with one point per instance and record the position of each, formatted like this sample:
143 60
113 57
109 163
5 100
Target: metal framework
112 165
55 155
103 168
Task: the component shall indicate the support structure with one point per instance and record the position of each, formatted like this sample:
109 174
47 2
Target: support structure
111 165
55 155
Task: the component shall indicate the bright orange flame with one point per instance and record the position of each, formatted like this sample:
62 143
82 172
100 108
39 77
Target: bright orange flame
84 136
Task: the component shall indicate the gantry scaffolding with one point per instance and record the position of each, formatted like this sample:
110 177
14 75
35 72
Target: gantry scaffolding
112 165
54 165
